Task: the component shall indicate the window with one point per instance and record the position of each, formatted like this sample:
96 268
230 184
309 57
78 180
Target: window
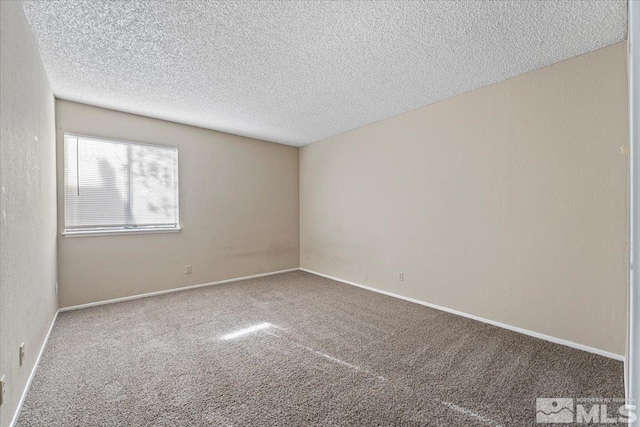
116 186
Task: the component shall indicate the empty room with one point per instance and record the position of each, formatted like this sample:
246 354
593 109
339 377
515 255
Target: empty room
328 213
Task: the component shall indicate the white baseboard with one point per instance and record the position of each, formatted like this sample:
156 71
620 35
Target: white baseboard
168 291
480 319
33 373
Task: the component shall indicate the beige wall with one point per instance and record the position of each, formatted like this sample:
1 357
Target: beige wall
28 301
238 208
507 202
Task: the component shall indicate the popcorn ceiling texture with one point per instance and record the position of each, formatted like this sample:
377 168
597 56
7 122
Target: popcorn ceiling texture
298 72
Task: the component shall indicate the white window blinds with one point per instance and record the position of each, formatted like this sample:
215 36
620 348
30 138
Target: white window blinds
114 185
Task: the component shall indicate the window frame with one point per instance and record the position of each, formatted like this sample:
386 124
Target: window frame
118 231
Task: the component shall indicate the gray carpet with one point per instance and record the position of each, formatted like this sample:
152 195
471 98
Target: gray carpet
320 353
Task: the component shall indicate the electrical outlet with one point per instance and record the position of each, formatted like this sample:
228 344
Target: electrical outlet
56 289
21 354
1 389
401 276
187 269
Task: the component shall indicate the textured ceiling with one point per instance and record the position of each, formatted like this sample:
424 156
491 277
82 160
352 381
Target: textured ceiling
296 72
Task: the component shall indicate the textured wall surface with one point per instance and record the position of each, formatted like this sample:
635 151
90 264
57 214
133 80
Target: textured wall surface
238 208
299 71
27 202
508 202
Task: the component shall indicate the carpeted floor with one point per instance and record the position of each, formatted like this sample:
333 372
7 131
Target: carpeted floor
297 349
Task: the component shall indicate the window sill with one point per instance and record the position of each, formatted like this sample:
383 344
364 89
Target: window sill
95 233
